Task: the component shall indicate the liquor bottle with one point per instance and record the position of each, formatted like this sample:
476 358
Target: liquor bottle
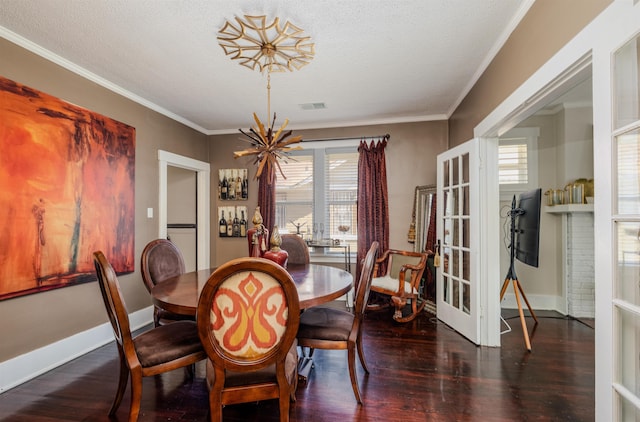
224 187
229 227
223 226
231 189
238 187
243 225
245 186
236 225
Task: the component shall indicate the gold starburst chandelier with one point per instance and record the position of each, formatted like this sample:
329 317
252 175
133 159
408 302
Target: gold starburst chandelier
268 48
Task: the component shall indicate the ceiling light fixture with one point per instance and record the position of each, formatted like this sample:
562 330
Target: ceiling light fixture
267 48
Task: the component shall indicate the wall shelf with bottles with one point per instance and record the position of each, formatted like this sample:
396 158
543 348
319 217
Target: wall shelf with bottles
232 221
233 184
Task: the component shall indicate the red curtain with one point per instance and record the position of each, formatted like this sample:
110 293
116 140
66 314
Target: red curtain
373 199
267 198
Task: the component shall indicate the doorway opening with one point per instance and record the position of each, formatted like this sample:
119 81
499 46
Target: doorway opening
202 200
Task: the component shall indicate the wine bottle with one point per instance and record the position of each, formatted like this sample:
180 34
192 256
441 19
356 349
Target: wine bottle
243 225
223 226
236 225
224 187
245 186
238 188
231 190
230 227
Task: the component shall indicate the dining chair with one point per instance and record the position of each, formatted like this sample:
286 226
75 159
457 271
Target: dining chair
160 349
296 247
160 260
401 281
324 327
248 315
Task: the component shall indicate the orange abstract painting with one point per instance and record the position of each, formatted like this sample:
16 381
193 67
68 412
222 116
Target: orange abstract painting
66 190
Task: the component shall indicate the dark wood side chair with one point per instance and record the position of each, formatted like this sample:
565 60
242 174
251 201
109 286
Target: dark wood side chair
160 260
401 282
296 247
248 315
323 327
160 349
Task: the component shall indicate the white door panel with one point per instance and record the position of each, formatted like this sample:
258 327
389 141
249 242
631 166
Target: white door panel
458 281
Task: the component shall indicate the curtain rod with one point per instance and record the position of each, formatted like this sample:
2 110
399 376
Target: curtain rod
386 137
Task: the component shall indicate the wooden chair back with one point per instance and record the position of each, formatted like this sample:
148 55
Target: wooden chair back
248 315
160 260
401 280
296 247
364 282
325 327
152 352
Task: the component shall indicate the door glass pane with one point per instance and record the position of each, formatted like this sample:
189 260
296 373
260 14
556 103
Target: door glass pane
627 285
465 168
456 294
627 84
466 298
465 233
455 262
447 203
628 348
447 288
628 412
447 232
445 174
456 229
466 265
456 171
455 210
628 156
465 200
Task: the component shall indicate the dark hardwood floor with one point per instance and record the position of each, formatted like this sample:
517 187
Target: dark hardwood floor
420 371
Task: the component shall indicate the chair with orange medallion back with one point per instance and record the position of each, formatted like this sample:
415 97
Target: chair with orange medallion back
248 315
325 327
160 349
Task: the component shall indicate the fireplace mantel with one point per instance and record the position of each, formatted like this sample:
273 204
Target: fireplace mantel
577 257
569 208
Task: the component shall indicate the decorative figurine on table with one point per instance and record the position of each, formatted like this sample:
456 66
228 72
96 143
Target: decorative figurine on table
275 254
298 226
257 236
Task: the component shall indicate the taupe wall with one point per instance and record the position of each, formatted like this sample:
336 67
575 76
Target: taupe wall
548 26
410 153
37 320
33 321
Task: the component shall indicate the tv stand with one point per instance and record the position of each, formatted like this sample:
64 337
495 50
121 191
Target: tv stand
517 287
511 278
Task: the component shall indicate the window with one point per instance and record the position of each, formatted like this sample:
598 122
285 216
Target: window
518 161
318 197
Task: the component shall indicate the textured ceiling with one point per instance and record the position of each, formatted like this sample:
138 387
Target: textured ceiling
376 61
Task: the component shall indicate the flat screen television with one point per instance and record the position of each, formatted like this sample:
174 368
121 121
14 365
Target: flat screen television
527 233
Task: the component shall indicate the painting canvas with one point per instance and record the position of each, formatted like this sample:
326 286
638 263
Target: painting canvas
233 184
66 190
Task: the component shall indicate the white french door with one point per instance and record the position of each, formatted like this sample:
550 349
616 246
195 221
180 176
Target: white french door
457 281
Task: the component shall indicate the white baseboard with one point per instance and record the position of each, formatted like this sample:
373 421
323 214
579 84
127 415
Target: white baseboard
538 302
20 369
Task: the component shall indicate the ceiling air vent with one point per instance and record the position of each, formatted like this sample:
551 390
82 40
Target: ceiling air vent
313 106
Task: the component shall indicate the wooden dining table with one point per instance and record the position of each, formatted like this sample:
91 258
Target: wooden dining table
316 284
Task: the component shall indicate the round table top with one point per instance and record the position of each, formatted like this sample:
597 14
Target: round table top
316 284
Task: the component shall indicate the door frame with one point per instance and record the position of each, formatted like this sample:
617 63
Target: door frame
593 47
203 210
